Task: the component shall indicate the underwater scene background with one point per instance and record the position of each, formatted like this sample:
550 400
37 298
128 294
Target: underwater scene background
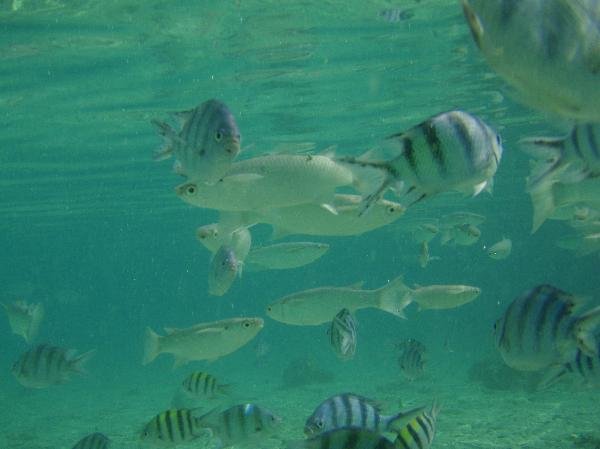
92 228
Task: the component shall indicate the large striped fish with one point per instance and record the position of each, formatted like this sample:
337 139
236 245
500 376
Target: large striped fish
351 410
93 441
452 151
542 328
419 431
342 334
206 145
546 49
45 365
241 423
173 427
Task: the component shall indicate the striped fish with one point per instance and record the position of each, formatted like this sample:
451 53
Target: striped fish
452 151
45 365
345 438
204 385
412 358
419 432
577 153
94 441
351 410
173 427
241 423
542 328
342 334
207 144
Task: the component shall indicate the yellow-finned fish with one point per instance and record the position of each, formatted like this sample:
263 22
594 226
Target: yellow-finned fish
420 431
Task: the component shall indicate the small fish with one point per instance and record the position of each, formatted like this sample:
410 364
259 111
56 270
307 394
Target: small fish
344 438
500 250
452 151
24 318
213 236
342 335
461 218
224 268
204 385
395 15
94 441
546 49
317 306
173 427
542 328
420 431
569 158
207 144
444 296
283 256
463 235
351 410
204 341
412 358
425 232
241 423
45 365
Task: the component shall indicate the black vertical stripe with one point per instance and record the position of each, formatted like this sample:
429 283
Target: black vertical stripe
435 146
334 413
181 425
363 414
347 407
414 434
242 421
400 441
462 134
409 155
227 423
191 422
169 424
158 425
426 429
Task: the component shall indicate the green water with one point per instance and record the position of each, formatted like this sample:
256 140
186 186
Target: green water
91 226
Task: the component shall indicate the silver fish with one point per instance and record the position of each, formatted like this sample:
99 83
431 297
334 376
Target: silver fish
500 250
224 268
45 365
173 427
412 358
546 49
444 296
24 318
420 431
207 144
351 410
463 235
204 341
241 423
342 335
542 328
94 441
213 236
283 256
452 151
318 305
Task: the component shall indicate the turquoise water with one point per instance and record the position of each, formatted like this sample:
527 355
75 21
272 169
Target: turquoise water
92 228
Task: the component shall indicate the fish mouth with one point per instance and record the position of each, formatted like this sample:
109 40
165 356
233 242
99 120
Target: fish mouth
309 431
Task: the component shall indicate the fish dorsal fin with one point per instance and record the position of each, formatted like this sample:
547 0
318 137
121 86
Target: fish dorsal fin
243 178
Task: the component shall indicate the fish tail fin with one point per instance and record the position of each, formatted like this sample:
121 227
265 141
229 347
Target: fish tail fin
542 199
77 363
169 135
587 332
399 421
151 346
394 297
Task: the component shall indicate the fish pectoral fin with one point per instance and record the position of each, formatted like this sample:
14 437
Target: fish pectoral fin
329 208
477 189
243 178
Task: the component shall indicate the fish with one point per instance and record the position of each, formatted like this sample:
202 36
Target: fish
344 438
212 236
543 327
548 197
94 441
313 219
173 427
204 385
395 15
351 410
425 232
463 235
444 296
583 244
412 358
241 423
569 158
224 268
545 49
24 318
452 151
204 341
206 145
342 335
419 431
461 218
283 256
45 365
500 250
424 256
319 305
276 180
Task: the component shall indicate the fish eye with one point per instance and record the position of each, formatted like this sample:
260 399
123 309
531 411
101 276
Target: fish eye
190 190
319 423
498 139
246 324
269 309
218 136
